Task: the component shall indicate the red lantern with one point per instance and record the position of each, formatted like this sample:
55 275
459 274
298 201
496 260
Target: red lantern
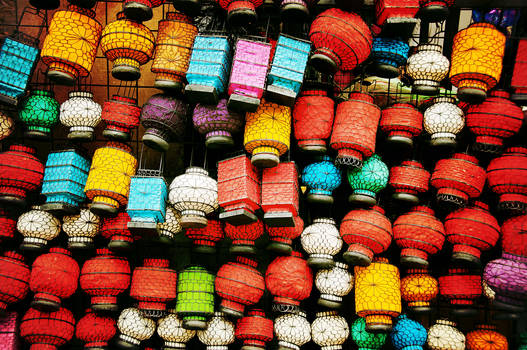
205 239
460 288
255 330
243 237
368 232
387 10
434 10
519 77
95 330
342 80
401 122
419 234
280 194
153 285
121 115
116 229
282 237
103 278
7 225
54 277
408 180
239 284
14 279
355 129
240 12
47 330
514 237
20 172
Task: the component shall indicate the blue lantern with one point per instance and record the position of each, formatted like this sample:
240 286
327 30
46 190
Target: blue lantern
64 180
287 70
208 70
321 178
408 334
367 181
388 55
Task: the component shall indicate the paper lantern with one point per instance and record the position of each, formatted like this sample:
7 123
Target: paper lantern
427 67
368 180
39 112
7 225
321 178
443 120
140 10
280 195
292 330
401 122
244 236
38 228
508 278
342 41
81 228
321 240
116 230
217 123
103 278
14 279
388 55
255 330
47 330
95 330
170 329
408 180
418 289
364 339
70 47
461 288
334 283
512 239
390 11
194 194
519 76
147 201
168 229
128 44
108 183
134 328
329 330
240 12
219 332
81 114
355 128
121 116
408 334
486 337
443 335
282 237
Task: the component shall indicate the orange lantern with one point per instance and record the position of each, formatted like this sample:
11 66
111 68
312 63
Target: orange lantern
486 337
418 288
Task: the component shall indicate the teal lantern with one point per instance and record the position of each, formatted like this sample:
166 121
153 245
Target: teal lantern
39 112
364 339
367 181
321 178
408 334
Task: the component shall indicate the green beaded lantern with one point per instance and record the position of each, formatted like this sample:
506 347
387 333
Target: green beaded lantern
366 340
523 341
39 112
367 181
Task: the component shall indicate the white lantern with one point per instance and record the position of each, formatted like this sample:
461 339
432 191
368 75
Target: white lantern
488 292
170 329
427 67
81 114
7 125
333 284
443 121
171 227
134 328
444 335
321 240
195 195
292 330
81 228
38 227
329 330
218 334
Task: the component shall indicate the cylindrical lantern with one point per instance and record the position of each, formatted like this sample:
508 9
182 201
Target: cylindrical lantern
461 288
116 230
81 228
368 180
508 278
134 327
443 120
281 237
519 76
218 334
292 330
14 279
217 123
244 236
408 334
321 240
486 337
38 228
280 195
255 330
408 180
388 55
7 225
418 289
47 330
171 227
364 339
147 201
393 11
333 284
204 239
401 122
329 330
427 67
443 335
39 112
81 114
240 12
170 329
121 116
140 10
434 10
95 330
321 178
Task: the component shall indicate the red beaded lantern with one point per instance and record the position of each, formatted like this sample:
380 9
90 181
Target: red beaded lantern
47 330
514 237
116 229
54 276
519 76
472 230
401 122
240 12
121 115
355 129
282 237
387 10
14 279
255 330
419 234
153 285
460 287
243 237
368 232
408 180
457 179
95 330
239 284
104 277
7 225
205 239
280 194
20 172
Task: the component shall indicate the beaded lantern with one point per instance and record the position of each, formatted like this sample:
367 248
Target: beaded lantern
134 327
378 294
364 339
128 44
321 178
47 330
368 180
281 237
477 56
194 194
329 330
333 283
108 183
7 124
14 279
7 225
38 228
39 112
171 227
408 180
170 329
255 330
140 10
342 41
443 335
427 67
434 10
418 289
103 278
321 240
217 123
519 76
443 120
355 128
244 236
393 11
81 228
95 331
54 277
388 55
280 201
401 122
240 12
513 241
486 337
121 116
70 47
461 288
164 118
81 114
195 297
292 330
116 230
408 334
218 334
204 239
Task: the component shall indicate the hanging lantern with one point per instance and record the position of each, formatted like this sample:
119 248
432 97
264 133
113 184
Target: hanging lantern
329 330
292 330
408 180
255 330
368 180
341 39
81 114
355 129
461 288
333 283
418 289
434 10
95 330
47 330
321 178
70 47
218 334
195 297
171 227
443 120
10 324
401 122
170 329
204 239
513 241
7 124
81 228
321 240
14 279
121 116
393 11
134 328
194 194
282 237
408 334
443 335
486 337
364 339
103 278
378 294
519 76
140 10
280 195
39 112
128 44
116 230
7 225
244 236
108 183
217 123
388 55
240 12
38 228
427 67
368 232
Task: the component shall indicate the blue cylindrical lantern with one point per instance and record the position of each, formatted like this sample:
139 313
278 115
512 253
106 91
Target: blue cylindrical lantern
388 55
321 178
367 181
65 176
408 334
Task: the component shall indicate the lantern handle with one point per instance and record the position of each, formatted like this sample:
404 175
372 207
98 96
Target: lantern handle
142 171
26 37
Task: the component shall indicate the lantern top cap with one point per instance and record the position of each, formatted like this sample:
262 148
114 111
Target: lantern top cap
412 163
490 327
125 99
23 148
79 93
423 209
246 261
326 313
325 220
103 251
83 11
60 250
196 170
417 271
446 322
381 260
517 150
14 255
429 47
444 99
256 312
155 262
178 16
480 205
296 254
118 145
458 271
341 265
378 209
500 93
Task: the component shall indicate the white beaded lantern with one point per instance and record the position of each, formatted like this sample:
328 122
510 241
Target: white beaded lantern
218 334
427 67
329 330
321 240
444 335
7 125
443 121
134 328
81 228
38 227
195 195
170 329
81 114
333 284
172 225
292 330
488 292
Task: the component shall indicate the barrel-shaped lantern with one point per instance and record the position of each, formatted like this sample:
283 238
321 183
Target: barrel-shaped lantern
7 225
519 76
168 229
47 330
280 201
281 237
292 330
427 67
321 178
81 228
443 335
443 120
418 289
204 239
329 330
321 240
255 330
39 112
219 332
388 55
116 230
368 180
81 114
401 122
485 336
95 330
170 329
147 201
334 283
408 180
244 236
408 334
217 123
134 327
14 279
121 116
461 287
38 228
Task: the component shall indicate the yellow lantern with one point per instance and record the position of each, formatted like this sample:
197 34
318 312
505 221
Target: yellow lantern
175 38
267 133
378 294
71 44
109 178
477 61
128 44
418 288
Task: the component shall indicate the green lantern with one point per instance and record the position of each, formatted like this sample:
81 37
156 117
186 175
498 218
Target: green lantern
523 341
367 181
39 112
366 340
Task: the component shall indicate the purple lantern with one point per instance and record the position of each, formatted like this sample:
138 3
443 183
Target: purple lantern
217 123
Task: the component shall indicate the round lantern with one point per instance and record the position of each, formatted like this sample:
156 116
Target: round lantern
171 227
39 112
81 228
388 55
140 10
170 329
217 123
418 288
38 227
443 335
70 47
401 122
477 61
333 284
292 330
14 279
321 178
239 284
282 237
81 114
408 334
195 195
427 67
47 330
408 180
341 39
134 327
434 10
321 240
461 288
121 116
368 232
218 334
329 330
471 230
513 239
205 239
7 225
255 330
128 44
95 330
116 229
103 278
443 120
367 181
364 339
7 124
486 337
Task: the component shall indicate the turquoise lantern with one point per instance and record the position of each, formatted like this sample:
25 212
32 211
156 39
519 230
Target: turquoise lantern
367 181
321 179
364 339
408 334
39 112
388 55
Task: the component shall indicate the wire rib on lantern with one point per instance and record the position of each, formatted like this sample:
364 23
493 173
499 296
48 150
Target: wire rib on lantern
401 122
321 178
134 328
254 330
321 240
81 114
240 12
292 330
461 288
218 334
95 330
519 76
39 112
427 67
282 237
14 279
280 201
443 120
217 123
434 10
368 180
329 330
47 330
418 289
116 230
170 329
364 339
38 227
408 334
388 55
333 283
443 335
486 336
81 228
408 180
244 236
140 10
204 239
121 116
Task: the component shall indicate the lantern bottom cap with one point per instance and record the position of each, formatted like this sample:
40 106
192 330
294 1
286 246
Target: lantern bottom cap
397 140
165 240
231 312
406 197
464 312
189 7
323 63
103 209
314 148
143 228
426 90
202 94
420 309
433 13
280 248
116 135
362 199
349 161
155 142
384 70
242 249
81 245
487 148
279 219
378 328
193 221
241 103
294 12
238 217
413 261
32 247
319 198
95 348
451 202
356 258
119 246
170 85
125 345
137 11
105 308
87 4
61 78
507 307
251 347
466 258
204 249
60 208
320 262
216 142
328 303
126 73
506 315
37 135
265 160
241 17
282 96
513 207
45 305
471 95
12 201
443 142
81 136
519 98
194 324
